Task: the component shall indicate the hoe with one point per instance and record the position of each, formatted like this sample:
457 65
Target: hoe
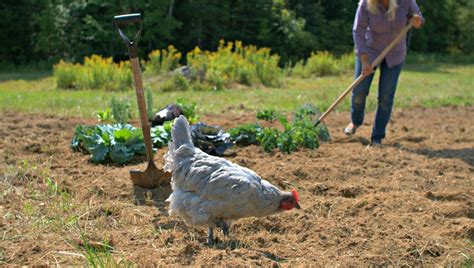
152 176
361 77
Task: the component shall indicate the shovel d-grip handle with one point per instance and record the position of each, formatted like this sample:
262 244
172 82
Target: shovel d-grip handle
124 20
127 19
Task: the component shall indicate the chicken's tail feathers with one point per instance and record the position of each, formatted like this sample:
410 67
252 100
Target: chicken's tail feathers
181 133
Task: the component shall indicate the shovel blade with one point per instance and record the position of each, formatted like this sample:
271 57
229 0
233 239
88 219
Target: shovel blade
152 177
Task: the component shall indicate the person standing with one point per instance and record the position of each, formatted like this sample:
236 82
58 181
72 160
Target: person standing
376 24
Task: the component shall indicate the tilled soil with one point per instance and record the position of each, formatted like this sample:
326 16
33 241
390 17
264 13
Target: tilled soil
410 202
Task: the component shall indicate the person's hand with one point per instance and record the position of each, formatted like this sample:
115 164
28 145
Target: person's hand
366 69
366 66
416 21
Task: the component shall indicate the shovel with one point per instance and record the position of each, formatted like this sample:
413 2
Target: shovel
152 176
361 77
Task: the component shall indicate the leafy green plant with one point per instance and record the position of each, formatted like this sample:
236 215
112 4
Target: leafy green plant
246 134
161 135
189 110
268 139
267 115
118 143
300 132
105 115
310 113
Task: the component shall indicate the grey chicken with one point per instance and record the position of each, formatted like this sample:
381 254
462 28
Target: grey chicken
212 191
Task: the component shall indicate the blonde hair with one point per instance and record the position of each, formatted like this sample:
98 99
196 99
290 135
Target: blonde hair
392 8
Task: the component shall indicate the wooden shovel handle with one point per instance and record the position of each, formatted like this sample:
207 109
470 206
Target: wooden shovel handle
361 77
137 77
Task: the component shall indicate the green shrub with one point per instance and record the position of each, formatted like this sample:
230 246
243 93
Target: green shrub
67 75
346 63
266 66
177 82
162 61
199 86
323 64
235 63
95 73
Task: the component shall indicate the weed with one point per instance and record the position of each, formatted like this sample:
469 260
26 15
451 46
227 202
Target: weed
28 209
467 262
23 172
120 109
98 254
149 103
118 112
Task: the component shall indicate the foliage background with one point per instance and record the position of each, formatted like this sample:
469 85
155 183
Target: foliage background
44 31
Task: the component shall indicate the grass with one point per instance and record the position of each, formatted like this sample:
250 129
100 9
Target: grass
428 84
41 208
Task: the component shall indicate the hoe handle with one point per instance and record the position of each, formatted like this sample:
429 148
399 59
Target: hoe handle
361 77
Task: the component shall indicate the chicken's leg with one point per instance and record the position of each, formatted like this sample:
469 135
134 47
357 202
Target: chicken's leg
223 225
210 236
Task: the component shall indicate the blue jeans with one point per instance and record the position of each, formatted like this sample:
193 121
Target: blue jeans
387 86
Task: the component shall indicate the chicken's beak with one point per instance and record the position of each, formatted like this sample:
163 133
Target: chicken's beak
297 206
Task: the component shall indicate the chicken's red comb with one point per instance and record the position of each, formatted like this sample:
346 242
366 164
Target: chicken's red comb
295 195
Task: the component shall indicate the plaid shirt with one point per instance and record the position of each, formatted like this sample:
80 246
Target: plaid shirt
373 32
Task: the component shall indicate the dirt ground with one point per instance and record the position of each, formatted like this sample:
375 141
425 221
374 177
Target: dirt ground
408 203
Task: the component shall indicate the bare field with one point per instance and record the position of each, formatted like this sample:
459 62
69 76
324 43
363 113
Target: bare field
408 203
